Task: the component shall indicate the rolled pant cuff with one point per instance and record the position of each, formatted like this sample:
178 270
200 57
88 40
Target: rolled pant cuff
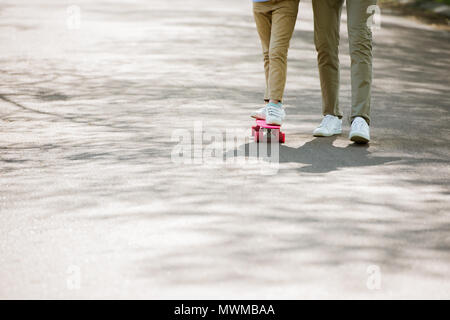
332 114
279 98
364 116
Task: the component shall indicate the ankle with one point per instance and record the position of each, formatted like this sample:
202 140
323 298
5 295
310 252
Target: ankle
276 104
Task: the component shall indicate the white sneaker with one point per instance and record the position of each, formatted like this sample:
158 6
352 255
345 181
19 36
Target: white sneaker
330 126
275 114
259 114
360 131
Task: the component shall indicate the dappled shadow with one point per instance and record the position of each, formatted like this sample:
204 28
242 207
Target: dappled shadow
95 141
381 216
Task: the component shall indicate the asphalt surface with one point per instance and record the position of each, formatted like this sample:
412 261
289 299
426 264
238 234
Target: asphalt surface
94 204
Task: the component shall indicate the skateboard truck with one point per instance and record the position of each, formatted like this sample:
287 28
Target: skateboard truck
269 132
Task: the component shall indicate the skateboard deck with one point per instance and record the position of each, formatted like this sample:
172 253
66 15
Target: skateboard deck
270 132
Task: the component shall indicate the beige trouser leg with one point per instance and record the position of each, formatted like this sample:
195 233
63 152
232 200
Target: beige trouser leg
275 22
327 16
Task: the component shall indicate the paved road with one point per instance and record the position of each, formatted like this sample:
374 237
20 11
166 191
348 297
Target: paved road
93 205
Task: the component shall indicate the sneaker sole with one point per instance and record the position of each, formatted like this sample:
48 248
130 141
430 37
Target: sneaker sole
359 139
257 118
327 135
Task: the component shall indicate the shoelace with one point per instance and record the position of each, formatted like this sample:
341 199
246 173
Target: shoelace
326 121
274 111
358 124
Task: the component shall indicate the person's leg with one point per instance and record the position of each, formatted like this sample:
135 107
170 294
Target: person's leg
360 40
284 17
262 12
327 17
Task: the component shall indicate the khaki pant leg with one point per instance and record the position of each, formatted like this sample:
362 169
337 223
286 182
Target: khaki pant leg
284 18
327 17
360 40
262 13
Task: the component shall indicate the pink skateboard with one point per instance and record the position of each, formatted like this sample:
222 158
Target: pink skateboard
272 131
